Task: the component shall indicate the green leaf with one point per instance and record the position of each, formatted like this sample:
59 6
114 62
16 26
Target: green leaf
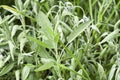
26 3
1 63
5 19
101 72
17 74
117 74
12 48
6 69
112 72
94 27
112 35
64 67
16 12
22 43
14 30
43 53
20 58
46 29
38 42
10 9
43 21
45 66
66 26
25 72
19 4
78 30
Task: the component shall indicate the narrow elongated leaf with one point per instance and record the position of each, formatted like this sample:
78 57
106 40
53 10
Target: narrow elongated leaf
17 74
38 42
5 19
26 3
45 66
112 72
117 74
94 27
12 10
64 67
6 69
110 36
25 72
101 72
15 12
19 4
12 47
43 53
14 30
78 30
22 43
66 26
1 63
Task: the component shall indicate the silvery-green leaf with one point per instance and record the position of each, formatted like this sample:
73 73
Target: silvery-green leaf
6 69
12 48
17 74
25 72
111 36
78 30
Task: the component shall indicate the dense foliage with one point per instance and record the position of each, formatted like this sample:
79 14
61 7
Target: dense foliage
59 40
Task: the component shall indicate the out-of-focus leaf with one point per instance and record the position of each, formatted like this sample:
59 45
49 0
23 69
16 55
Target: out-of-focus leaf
12 10
22 43
26 3
5 19
1 63
19 4
43 53
94 27
64 67
101 72
112 72
17 74
46 60
38 42
45 66
66 26
7 58
15 12
12 48
14 30
6 69
25 72
117 75
117 24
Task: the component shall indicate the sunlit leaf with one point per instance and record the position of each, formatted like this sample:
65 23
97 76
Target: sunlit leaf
17 74
25 72
112 35
101 72
78 30
12 48
112 72
46 28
